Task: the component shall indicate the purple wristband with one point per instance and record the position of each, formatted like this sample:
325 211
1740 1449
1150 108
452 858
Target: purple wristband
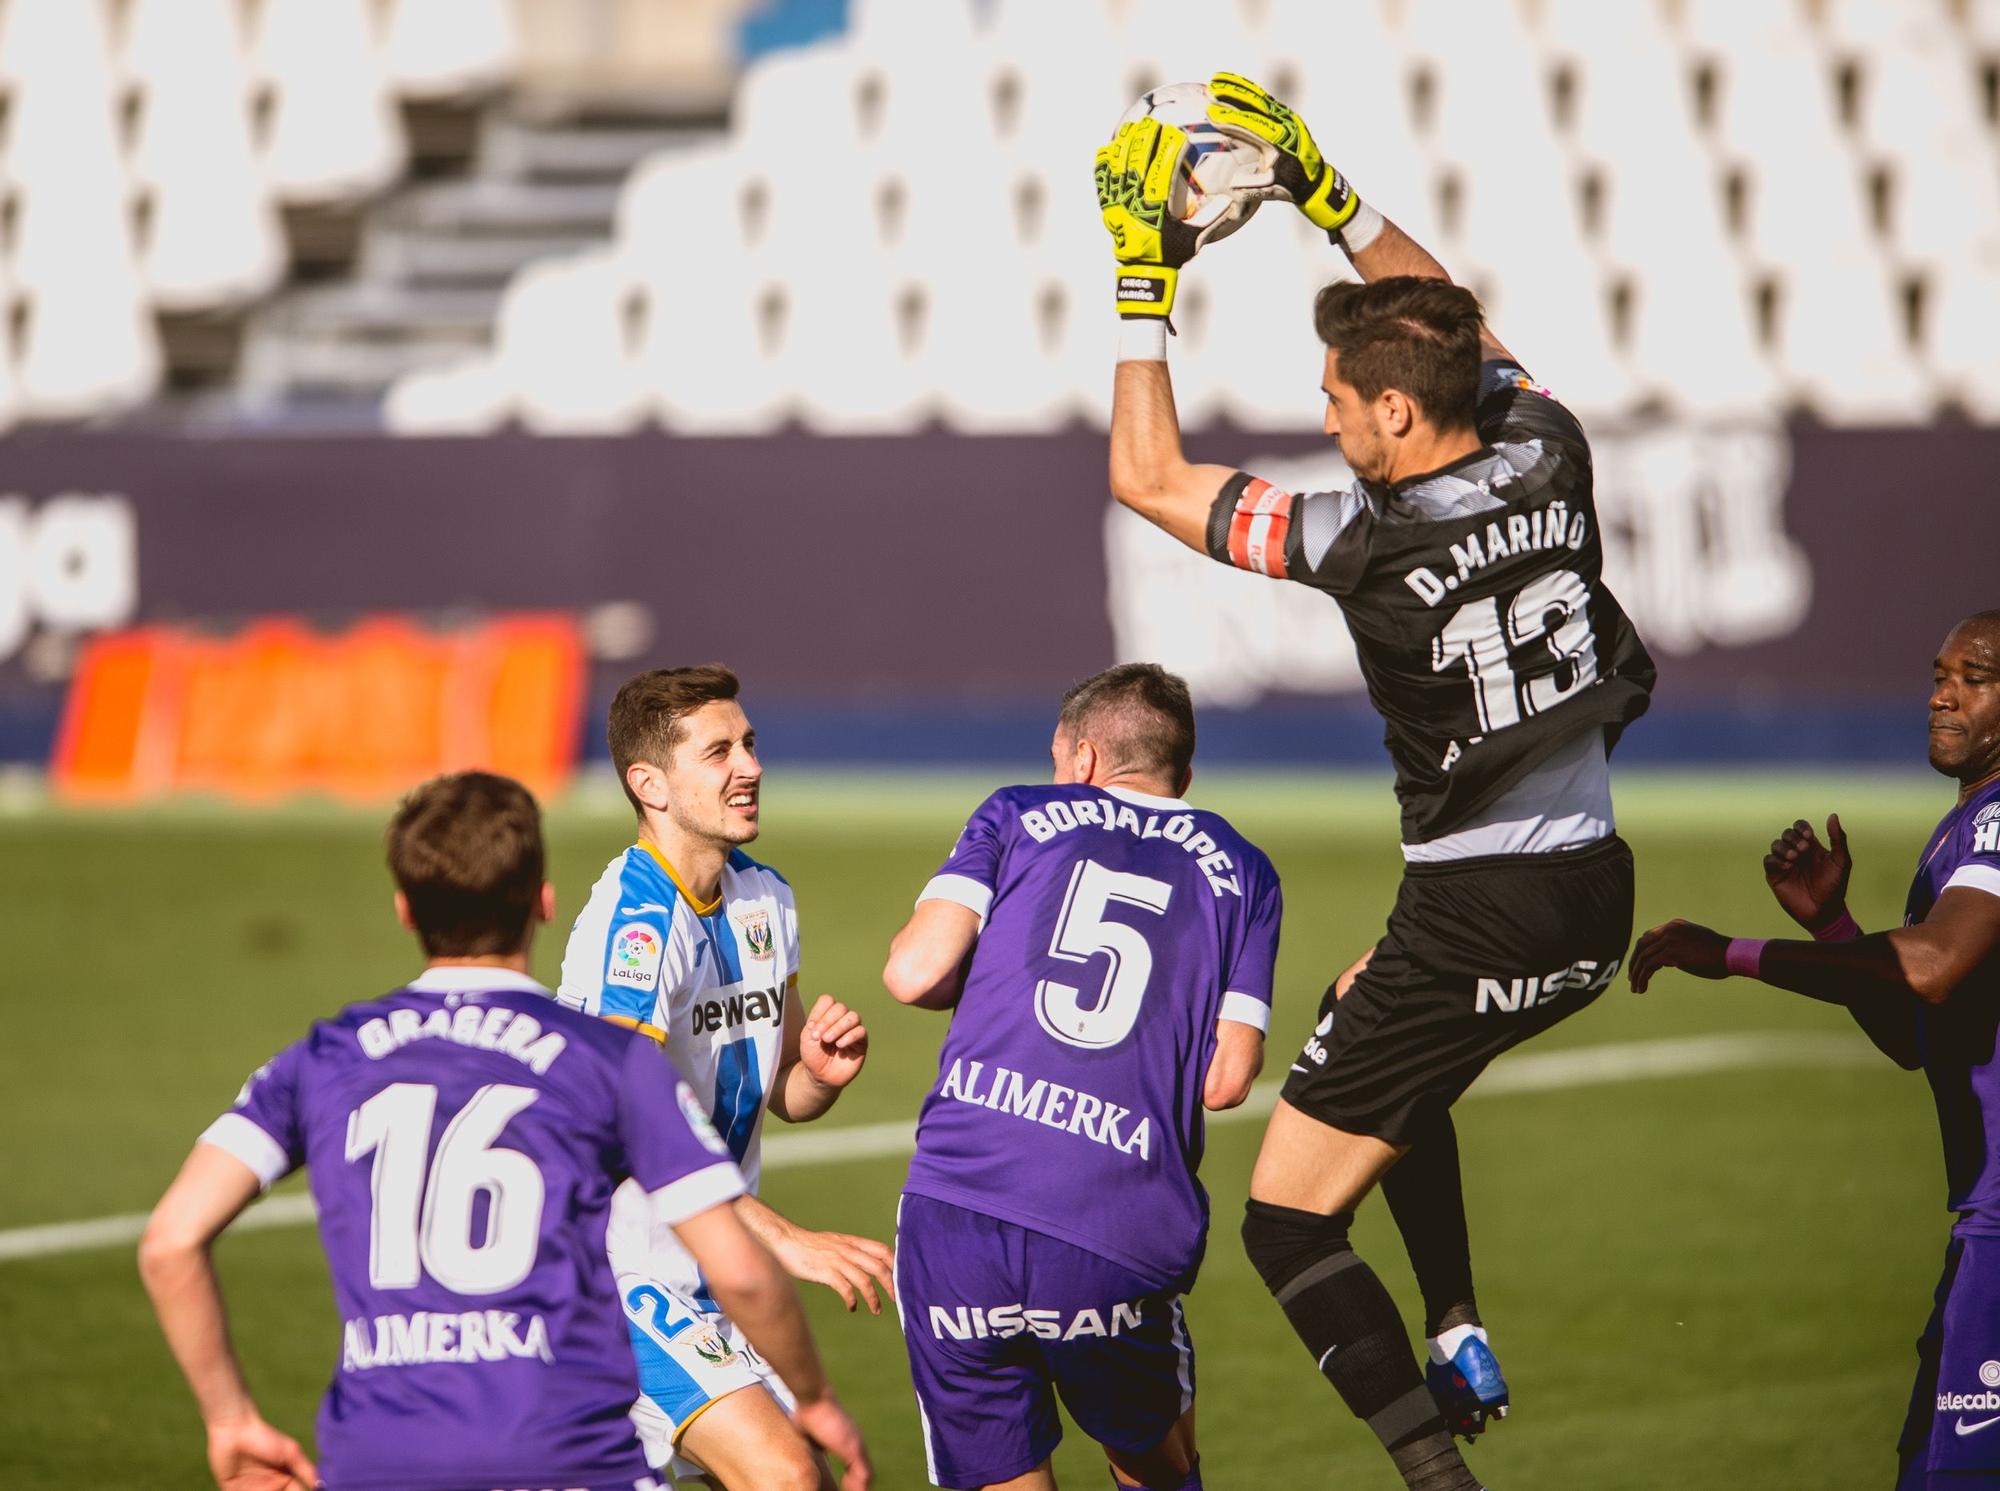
1744 956
1844 930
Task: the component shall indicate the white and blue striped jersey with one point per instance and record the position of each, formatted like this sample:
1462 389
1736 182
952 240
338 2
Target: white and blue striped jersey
708 981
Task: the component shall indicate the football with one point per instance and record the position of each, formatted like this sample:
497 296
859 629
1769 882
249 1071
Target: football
1213 166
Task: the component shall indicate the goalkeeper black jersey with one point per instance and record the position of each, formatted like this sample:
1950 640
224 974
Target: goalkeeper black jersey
1475 598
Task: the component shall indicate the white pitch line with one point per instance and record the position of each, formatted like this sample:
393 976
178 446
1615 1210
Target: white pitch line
1527 1071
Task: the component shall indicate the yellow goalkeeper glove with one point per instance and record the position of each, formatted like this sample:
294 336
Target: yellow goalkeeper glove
1135 178
1300 173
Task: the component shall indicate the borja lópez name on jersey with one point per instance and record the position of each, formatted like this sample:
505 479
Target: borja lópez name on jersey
1057 816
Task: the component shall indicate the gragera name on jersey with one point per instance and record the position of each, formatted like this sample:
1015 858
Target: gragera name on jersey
737 1010
1551 527
965 1322
434 1336
1511 995
509 1032
1046 822
1049 1103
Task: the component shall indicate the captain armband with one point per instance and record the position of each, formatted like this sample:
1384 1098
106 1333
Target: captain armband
1259 521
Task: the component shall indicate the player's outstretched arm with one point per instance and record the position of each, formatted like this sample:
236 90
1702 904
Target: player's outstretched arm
1301 175
1239 1057
244 1452
747 1282
928 959
1877 977
848 1265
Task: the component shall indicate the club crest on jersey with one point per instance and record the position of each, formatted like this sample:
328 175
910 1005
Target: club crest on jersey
636 951
756 933
711 1348
698 1119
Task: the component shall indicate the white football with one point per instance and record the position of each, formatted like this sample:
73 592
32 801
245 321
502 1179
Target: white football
1206 194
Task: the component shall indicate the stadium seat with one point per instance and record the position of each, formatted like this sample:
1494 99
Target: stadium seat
786 99
10 391
1841 344
469 397
89 348
443 48
212 234
564 344
1692 345
1046 99
1805 189
335 134
1183 41
1260 351
1962 347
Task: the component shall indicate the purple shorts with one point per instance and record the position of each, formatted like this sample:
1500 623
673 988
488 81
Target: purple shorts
1951 1439
1000 1320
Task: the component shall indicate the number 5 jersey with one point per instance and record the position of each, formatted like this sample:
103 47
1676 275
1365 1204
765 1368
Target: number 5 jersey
1117 929
463 1137
1475 597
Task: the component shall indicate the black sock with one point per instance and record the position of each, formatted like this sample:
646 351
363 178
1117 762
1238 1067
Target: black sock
1350 1325
1428 1202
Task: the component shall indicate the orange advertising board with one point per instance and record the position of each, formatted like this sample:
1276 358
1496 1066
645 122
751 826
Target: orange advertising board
278 708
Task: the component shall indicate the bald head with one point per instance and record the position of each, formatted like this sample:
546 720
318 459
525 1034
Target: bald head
1965 701
1137 722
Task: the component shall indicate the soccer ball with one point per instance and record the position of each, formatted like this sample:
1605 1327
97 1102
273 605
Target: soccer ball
1207 193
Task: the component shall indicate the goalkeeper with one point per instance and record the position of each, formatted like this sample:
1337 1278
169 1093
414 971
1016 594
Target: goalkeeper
1467 561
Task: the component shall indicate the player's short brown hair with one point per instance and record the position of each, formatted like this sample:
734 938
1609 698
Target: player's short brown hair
1417 336
649 713
466 852
1139 717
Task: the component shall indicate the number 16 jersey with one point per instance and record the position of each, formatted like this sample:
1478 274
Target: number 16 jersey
1117 929
1475 597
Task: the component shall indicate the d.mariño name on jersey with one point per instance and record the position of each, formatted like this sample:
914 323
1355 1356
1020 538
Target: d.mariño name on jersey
1551 527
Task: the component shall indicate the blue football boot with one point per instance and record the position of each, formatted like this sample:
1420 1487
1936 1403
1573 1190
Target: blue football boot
1468 1388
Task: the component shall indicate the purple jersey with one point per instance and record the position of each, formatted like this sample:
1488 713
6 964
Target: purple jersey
1117 929
1958 1037
464 1135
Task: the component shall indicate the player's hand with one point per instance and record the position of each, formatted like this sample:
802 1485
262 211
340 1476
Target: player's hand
826 1423
1300 174
846 1264
1135 180
249 1455
1808 877
833 1043
1678 944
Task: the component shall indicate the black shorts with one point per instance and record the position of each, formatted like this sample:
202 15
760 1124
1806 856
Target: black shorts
1480 955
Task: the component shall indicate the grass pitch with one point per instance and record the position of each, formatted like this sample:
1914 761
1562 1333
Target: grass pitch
1707 1280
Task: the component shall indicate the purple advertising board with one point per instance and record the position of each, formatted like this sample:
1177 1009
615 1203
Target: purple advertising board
927 597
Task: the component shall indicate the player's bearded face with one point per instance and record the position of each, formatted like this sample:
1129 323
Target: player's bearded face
1351 421
714 779
1965 704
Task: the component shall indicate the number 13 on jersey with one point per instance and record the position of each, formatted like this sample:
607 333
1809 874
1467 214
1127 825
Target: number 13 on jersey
1553 610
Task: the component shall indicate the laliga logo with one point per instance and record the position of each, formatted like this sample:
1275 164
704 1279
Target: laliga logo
1989 1373
68 566
634 944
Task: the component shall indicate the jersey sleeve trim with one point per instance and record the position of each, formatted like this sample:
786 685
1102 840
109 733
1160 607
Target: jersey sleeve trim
236 1135
651 1032
1246 1009
1976 877
694 1194
960 890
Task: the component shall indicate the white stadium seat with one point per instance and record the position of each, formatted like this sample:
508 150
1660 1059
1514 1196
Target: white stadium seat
90 344
442 48
1841 343
213 236
1261 352
564 345
469 397
1691 342
1962 346
335 133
